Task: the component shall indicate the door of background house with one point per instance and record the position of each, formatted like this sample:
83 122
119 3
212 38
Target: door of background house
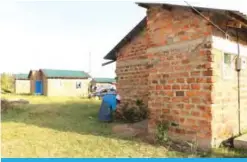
38 87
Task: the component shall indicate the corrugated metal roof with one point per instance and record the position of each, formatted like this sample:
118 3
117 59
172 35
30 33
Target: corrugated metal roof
52 73
238 13
142 24
104 80
21 76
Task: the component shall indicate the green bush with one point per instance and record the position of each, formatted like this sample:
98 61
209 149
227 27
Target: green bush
162 132
134 113
5 105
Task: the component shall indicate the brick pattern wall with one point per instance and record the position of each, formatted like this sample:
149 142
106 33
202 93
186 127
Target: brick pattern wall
180 81
175 67
132 70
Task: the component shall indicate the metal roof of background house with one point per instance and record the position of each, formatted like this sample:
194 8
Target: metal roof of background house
104 80
112 54
21 76
52 73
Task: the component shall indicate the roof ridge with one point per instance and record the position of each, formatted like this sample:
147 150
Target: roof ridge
62 70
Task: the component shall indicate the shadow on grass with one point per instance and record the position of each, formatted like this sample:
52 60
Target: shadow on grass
79 117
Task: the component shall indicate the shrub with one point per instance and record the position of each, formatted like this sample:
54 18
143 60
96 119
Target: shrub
162 132
5 105
132 114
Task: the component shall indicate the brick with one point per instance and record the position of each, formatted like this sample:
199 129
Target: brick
180 106
185 61
154 81
176 87
176 112
184 113
191 80
171 81
203 94
184 74
190 121
208 73
195 73
163 81
166 110
179 131
185 87
180 80
206 115
196 100
169 93
185 99
180 93
204 123
191 93
195 86
195 113
165 75
177 99
158 87
210 80
167 87
166 99
207 86
200 80
189 106
178 68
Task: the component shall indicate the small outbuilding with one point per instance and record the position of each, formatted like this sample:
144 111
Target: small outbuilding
22 84
103 82
51 82
188 65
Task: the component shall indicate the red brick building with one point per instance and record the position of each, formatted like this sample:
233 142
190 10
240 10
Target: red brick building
180 61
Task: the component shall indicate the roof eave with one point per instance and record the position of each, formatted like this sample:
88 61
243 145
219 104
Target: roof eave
237 13
145 5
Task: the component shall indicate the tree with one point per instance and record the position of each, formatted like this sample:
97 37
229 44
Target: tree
7 82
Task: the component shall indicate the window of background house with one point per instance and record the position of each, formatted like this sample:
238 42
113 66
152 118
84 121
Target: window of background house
78 85
228 66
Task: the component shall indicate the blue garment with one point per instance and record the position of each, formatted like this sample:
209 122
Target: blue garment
111 100
108 105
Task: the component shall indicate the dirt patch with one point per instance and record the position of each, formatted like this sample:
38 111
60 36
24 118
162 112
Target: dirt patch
131 130
139 130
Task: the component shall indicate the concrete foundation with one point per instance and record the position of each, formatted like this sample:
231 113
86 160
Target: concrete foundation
241 142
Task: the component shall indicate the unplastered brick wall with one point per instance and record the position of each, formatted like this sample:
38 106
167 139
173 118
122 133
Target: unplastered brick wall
225 121
176 67
132 71
180 82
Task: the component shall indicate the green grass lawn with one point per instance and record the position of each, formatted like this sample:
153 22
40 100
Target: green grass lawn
68 127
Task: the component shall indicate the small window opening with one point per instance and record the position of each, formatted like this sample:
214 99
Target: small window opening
78 85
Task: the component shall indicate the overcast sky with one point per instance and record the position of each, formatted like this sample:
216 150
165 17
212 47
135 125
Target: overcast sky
60 34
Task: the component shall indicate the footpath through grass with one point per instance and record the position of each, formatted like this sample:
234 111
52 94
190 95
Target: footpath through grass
68 127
